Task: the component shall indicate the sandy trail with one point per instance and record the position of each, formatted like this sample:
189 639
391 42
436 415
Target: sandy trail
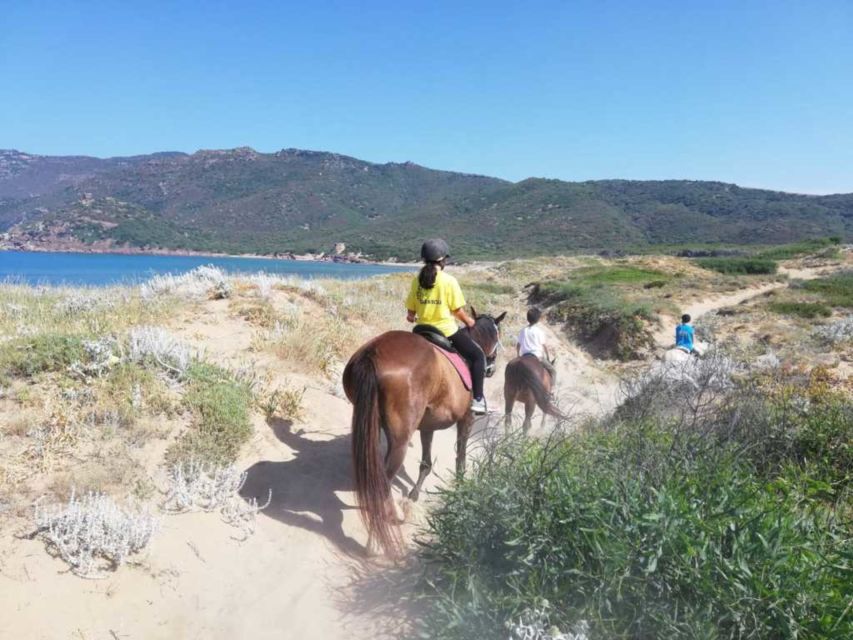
665 338
298 576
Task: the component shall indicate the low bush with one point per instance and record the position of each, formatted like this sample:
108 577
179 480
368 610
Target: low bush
835 332
739 266
221 406
282 402
41 353
158 347
130 389
725 517
797 249
801 309
607 324
837 289
617 275
199 486
93 534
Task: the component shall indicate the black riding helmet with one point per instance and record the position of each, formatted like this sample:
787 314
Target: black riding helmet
434 250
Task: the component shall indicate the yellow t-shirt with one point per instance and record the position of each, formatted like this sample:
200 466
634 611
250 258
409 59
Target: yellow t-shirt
435 306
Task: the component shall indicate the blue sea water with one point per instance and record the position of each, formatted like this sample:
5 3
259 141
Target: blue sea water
98 269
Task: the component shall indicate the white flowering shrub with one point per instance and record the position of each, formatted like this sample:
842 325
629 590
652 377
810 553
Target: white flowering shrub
12 310
199 283
264 282
534 624
242 513
77 301
102 354
835 332
201 486
156 345
713 370
93 534
195 485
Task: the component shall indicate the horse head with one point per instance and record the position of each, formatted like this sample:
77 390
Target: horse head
486 333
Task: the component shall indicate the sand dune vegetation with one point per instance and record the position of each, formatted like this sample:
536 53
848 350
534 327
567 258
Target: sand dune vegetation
192 430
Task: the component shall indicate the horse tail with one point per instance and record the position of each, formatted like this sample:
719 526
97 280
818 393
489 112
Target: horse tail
529 378
372 488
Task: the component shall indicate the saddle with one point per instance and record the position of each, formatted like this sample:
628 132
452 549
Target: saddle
441 344
434 336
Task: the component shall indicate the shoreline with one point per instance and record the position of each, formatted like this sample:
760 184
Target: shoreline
136 251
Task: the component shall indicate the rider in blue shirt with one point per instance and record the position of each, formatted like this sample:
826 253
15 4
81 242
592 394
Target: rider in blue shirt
684 335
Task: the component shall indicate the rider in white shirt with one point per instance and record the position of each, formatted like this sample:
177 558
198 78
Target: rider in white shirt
532 340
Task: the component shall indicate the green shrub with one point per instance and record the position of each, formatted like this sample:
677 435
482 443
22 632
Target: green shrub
221 406
606 323
617 275
41 353
488 288
728 521
801 309
738 266
707 549
837 289
796 249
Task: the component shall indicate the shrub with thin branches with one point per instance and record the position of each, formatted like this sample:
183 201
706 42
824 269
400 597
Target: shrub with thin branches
93 534
195 485
157 346
535 624
836 332
201 282
198 485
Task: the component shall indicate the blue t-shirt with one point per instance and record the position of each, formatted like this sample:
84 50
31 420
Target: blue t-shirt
684 336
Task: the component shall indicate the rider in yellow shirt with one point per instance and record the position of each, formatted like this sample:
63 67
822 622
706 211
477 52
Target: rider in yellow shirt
436 299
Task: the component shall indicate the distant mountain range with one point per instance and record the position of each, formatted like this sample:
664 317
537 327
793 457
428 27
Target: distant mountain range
242 201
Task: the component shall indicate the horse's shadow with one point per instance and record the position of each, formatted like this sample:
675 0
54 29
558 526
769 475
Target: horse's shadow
304 488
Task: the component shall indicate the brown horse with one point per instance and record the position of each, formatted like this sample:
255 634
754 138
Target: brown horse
399 384
527 381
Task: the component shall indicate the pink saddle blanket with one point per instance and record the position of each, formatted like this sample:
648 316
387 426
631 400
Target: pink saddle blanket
459 364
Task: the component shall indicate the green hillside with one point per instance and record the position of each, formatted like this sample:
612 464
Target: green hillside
243 201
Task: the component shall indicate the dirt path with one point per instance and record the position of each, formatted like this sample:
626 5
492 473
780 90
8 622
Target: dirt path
664 337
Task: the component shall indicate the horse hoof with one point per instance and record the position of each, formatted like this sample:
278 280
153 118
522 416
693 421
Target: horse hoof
406 508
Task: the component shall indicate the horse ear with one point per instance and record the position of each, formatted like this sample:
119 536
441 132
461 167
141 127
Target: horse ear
500 317
473 312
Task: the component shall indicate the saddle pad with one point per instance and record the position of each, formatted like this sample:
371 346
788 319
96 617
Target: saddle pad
459 364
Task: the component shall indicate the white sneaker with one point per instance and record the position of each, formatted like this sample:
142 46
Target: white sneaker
478 406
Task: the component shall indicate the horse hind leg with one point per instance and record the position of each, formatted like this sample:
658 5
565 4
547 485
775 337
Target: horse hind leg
426 463
529 408
393 461
509 403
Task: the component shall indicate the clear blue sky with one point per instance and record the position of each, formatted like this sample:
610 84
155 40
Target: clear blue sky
757 93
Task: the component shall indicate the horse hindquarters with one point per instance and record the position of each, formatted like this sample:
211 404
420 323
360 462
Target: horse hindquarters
527 381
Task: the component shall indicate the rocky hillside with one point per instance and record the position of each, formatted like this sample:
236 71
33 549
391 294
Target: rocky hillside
240 200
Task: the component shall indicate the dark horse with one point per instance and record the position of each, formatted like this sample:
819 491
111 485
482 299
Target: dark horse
399 384
527 381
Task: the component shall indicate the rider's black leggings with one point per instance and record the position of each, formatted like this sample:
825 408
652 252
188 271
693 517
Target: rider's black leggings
472 352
